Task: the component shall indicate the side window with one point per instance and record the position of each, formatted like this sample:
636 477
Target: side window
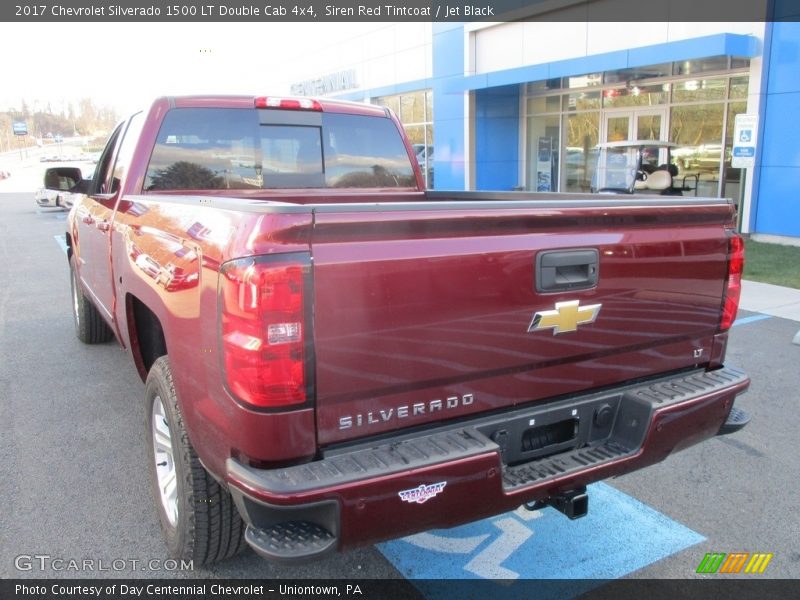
102 174
126 150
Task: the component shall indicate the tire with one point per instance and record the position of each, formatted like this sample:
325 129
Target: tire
90 327
198 517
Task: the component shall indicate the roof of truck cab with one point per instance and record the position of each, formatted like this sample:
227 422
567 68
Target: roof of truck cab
224 101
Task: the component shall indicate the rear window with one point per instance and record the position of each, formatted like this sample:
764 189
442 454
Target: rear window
215 148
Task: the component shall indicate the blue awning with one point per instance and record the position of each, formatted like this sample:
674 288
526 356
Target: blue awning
721 44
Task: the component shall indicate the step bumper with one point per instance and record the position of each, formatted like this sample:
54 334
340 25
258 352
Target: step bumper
457 474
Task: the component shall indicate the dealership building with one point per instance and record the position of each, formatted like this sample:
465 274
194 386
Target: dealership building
523 105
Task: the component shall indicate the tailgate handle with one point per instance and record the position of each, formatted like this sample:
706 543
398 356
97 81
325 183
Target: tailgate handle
566 270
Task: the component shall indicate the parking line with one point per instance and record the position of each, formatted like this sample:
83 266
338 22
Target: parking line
751 319
618 536
62 242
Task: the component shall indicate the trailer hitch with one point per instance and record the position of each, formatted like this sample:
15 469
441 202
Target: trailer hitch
574 503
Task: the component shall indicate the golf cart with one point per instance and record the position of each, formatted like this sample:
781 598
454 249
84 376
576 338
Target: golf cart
640 167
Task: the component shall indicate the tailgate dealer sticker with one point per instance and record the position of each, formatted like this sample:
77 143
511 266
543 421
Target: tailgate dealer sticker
422 494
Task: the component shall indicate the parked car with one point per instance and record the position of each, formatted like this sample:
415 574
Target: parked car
47 198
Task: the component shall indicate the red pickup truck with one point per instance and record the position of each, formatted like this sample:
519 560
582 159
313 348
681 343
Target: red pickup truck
334 356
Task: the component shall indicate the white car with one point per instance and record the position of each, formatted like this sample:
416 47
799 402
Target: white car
47 198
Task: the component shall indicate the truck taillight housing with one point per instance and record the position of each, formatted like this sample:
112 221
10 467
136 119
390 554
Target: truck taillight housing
263 327
288 103
733 285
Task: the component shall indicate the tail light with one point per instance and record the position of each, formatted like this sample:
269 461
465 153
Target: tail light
733 286
288 103
263 329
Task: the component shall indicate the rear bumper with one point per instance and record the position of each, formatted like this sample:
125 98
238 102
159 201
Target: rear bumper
457 474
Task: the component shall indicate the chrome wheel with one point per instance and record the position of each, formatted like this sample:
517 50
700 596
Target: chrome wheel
166 473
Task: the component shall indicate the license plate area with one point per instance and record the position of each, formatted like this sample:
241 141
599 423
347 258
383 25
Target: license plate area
553 429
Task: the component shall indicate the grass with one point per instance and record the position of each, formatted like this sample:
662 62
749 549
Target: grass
772 263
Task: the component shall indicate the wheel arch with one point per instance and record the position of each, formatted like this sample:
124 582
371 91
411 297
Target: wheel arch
146 334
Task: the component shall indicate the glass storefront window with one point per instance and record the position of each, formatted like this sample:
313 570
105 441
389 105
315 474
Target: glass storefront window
412 108
634 74
698 130
732 178
636 96
703 65
429 106
391 102
582 81
648 127
542 149
544 104
582 134
563 130
739 87
582 101
740 63
415 111
696 90
543 86
415 133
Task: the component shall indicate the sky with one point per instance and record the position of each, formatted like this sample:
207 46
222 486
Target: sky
126 65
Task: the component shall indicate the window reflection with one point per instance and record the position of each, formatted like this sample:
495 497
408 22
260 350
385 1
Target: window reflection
677 102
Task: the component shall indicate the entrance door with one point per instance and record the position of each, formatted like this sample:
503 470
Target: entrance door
618 164
619 126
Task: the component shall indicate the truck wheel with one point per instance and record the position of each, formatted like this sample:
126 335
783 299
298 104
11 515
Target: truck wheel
198 517
90 327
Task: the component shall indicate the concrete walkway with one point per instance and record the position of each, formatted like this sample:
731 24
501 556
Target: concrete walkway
772 300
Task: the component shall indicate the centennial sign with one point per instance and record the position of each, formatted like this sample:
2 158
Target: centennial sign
335 82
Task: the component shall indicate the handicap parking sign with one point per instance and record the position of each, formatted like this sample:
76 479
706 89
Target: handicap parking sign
745 131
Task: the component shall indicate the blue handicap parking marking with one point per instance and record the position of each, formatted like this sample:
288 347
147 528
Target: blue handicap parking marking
62 242
618 536
750 319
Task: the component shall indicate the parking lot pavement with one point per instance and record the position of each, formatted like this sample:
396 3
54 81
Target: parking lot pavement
75 485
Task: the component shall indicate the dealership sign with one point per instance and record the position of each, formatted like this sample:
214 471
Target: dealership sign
745 130
335 82
20 128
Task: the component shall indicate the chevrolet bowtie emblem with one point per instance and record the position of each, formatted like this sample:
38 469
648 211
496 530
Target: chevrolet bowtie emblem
566 317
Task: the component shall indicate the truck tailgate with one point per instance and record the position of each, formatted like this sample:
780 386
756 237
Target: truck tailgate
425 312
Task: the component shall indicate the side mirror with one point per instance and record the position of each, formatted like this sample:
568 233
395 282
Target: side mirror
62 179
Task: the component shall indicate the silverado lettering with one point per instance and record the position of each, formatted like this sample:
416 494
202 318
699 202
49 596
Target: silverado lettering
288 292
402 412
